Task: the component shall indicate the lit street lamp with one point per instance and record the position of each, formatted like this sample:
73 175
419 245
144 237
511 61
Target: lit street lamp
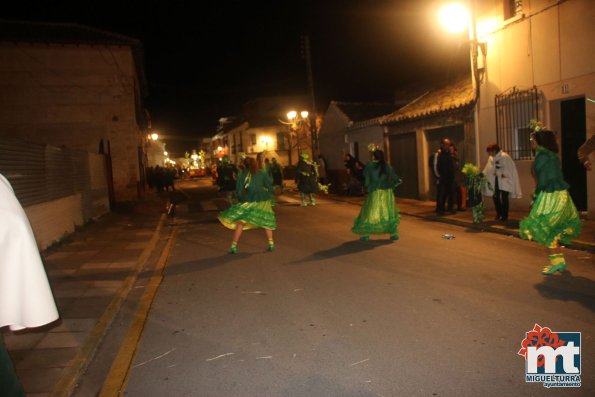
296 125
456 18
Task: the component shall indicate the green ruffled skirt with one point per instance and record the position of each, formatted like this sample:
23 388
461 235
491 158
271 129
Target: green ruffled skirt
379 215
553 218
252 214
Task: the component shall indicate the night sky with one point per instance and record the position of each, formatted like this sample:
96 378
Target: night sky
205 59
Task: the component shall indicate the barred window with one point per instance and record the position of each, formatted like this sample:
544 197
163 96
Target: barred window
514 111
512 8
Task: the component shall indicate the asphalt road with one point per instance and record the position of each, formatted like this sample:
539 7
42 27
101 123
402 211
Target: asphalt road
328 315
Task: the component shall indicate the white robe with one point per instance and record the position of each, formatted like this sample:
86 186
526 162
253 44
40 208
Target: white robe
26 299
508 177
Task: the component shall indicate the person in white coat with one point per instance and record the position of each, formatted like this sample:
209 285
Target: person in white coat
26 300
503 180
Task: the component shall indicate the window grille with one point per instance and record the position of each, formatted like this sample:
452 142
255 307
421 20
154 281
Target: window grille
512 8
514 111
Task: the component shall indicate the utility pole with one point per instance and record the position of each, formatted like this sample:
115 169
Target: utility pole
308 58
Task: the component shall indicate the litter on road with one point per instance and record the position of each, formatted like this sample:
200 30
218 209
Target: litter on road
359 362
448 237
219 356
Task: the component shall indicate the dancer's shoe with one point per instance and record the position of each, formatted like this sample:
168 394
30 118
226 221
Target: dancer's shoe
551 269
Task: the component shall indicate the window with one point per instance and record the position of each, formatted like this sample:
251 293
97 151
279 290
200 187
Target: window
514 111
253 139
281 144
512 8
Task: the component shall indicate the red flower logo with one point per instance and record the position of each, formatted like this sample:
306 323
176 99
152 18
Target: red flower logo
539 337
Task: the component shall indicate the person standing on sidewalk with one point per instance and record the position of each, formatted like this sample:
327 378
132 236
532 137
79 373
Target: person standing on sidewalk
379 214
444 170
254 188
503 180
26 300
553 219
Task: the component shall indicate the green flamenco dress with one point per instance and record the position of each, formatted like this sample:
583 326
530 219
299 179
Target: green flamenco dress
379 214
553 218
255 209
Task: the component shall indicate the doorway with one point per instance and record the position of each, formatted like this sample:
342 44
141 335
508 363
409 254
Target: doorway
573 132
403 158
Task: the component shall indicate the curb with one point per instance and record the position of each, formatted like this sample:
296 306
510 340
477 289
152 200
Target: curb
574 245
67 383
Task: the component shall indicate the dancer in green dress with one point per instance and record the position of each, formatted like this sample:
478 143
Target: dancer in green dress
379 214
553 219
254 189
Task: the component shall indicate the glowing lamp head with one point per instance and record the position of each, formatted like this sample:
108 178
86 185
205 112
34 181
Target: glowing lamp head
154 136
292 115
454 17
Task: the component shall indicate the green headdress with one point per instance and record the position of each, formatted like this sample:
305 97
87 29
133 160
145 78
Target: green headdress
372 147
536 126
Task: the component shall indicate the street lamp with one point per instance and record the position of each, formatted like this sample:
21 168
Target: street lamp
456 18
154 136
296 124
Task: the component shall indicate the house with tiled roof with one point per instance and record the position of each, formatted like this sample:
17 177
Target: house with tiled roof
348 128
413 133
76 89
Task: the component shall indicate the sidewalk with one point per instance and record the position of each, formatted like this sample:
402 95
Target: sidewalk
90 275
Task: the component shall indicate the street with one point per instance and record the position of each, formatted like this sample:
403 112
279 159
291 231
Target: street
328 315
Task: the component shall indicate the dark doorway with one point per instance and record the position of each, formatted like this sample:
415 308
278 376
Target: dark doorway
403 158
573 134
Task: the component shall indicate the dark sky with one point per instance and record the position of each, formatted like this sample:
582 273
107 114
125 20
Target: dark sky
204 59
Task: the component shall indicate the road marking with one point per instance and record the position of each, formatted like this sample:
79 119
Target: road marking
120 370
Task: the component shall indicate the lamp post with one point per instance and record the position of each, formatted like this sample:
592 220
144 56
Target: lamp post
456 18
296 125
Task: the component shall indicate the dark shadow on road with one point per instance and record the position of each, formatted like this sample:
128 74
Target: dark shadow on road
567 287
203 264
347 248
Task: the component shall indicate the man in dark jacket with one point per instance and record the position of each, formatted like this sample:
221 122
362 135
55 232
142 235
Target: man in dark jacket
444 170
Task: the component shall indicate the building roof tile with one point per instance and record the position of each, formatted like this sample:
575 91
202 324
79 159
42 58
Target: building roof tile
443 99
